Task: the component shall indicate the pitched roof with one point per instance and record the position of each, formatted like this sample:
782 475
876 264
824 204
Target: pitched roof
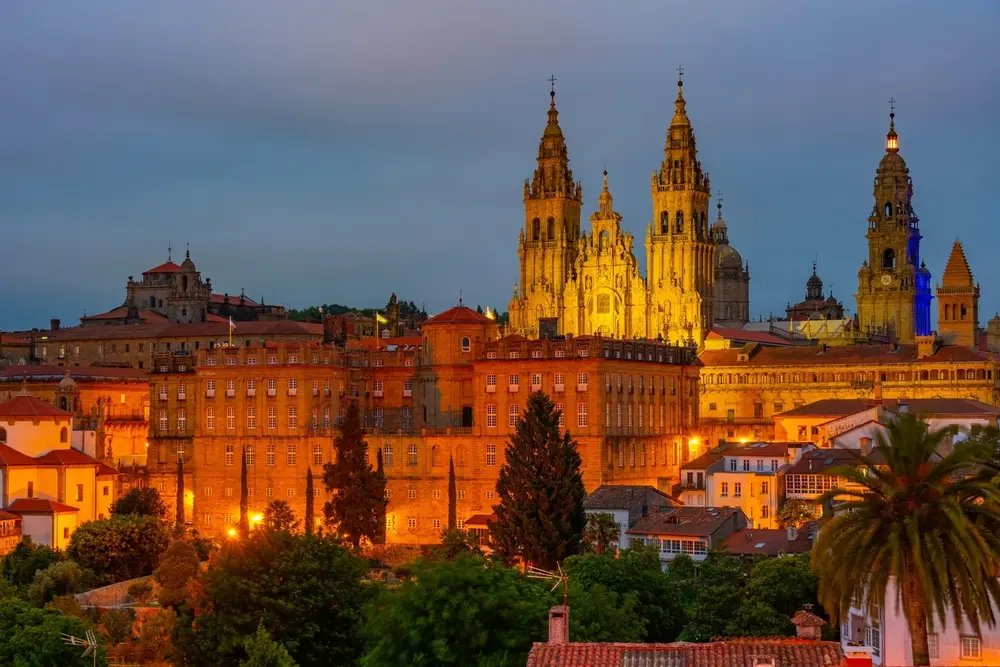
956 271
66 457
121 312
752 542
820 460
477 520
613 497
802 355
807 619
166 267
39 506
728 333
7 516
78 373
163 329
11 457
7 339
234 300
786 652
458 314
104 470
704 462
697 521
29 407
936 407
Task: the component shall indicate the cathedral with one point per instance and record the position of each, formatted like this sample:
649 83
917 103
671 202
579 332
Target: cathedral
577 282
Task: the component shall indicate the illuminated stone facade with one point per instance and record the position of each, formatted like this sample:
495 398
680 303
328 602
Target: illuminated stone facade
590 283
454 393
958 301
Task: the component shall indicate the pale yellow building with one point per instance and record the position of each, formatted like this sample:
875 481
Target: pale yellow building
572 282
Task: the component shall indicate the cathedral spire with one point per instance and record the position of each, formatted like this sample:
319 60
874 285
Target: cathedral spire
680 106
892 139
553 126
605 200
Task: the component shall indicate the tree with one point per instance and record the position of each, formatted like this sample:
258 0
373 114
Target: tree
795 513
305 590
27 558
380 474
358 494
278 515
924 522
600 615
602 532
463 612
634 572
540 515
262 651
62 578
310 519
720 588
455 543
244 496
122 547
116 625
144 501
452 496
775 589
177 568
30 637
152 645
179 509
141 590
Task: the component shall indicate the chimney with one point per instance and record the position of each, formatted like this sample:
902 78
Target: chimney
559 625
927 345
858 656
54 324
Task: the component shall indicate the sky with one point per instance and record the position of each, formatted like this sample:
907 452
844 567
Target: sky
336 152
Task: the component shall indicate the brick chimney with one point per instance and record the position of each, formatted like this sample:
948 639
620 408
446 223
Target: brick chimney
858 656
559 625
927 345
54 324
808 625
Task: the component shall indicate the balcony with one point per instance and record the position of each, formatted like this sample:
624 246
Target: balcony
230 393
581 386
491 389
558 388
251 392
513 388
377 393
292 391
125 415
209 393
271 392
736 421
407 393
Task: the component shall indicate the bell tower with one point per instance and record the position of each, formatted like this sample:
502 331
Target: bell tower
958 301
680 251
893 284
548 241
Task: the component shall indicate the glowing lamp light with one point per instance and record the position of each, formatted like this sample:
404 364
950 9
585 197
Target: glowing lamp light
231 533
693 442
743 441
257 518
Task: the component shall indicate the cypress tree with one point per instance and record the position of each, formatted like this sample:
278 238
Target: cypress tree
452 496
244 497
540 515
358 494
310 512
380 475
180 494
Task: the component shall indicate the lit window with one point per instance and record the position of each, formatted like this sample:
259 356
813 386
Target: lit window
581 415
491 415
230 454
290 456
971 648
210 419
230 418
512 413
163 420
491 455
317 455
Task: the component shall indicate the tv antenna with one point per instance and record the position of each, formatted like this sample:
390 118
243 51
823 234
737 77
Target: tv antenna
558 577
90 643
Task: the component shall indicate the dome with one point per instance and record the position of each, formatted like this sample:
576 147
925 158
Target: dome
67 384
726 256
187 264
814 282
830 300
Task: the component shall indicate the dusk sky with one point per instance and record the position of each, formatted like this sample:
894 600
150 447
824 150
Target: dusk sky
319 152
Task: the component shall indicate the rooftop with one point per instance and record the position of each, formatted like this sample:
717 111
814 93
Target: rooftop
610 497
39 506
459 314
762 337
932 407
166 267
29 407
820 460
759 542
66 457
79 373
11 457
697 521
811 355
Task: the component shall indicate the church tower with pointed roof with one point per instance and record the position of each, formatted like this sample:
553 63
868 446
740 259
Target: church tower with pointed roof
548 242
894 293
958 301
680 251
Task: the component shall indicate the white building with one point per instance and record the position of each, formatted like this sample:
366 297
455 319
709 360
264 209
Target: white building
627 504
687 530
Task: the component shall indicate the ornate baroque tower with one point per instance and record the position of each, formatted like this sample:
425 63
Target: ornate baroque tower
958 301
732 279
680 251
894 293
548 243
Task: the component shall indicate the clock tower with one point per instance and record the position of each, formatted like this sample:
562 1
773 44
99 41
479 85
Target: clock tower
894 293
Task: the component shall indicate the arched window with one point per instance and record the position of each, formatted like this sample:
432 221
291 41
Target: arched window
679 224
63 403
160 301
63 435
962 311
889 259
466 344
664 222
184 283
536 229
552 229
888 209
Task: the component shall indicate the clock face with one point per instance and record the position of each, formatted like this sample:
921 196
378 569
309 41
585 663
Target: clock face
886 279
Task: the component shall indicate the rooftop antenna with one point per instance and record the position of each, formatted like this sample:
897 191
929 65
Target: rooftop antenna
559 577
169 251
90 643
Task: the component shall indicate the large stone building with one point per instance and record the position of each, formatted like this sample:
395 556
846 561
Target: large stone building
732 279
815 306
958 301
579 283
454 394
894 293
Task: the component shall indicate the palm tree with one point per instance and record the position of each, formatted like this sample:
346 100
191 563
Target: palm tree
602 531
929 520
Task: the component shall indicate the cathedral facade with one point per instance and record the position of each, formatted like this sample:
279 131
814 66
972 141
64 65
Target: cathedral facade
579 282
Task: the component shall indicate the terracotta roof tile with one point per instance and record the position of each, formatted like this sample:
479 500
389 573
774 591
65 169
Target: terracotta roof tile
104 470
957 272
39 506
752 541
7 516
745 335
841 407
66 457
800 355
613 497
11 457
7 339
78 373
29 407
458 314
121 312
703 462
696 521
233 300
807 619
166 267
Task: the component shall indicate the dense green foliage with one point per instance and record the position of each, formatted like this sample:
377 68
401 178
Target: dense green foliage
58 579
278 515
123 547
602 532
358 502
312 313
306 591
27 558
263 651
144 501
30 637
455 543
928 519
794 512
310 517
177 568
540 517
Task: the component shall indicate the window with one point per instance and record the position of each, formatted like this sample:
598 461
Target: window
230 387
230 454
251 418
536 379
725 489
272 417
512 379
387 456
207 520
491 455
79 493
466 344
290 492
315 417
932 645
163 420
411 523
210 419
562 415
491 415
230 418
163 390
763 488
581 380
491 380
269 492
461 495
326 417
630 415
619 414
746 465
779 407
581 415
560 380
317 455
436 523
293 417
208 490
436 494
411 455
411 494
971 648
290 455
513 354
269 455
490 495
512 413
249 454
229 492
737 489
388 493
